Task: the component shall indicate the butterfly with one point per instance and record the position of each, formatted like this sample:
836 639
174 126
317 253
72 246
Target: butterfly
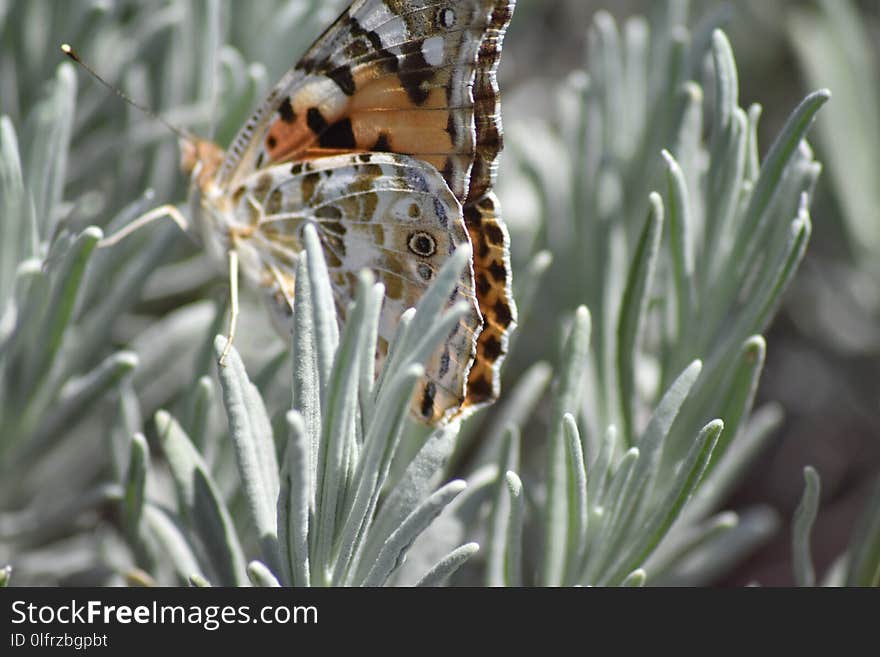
384 137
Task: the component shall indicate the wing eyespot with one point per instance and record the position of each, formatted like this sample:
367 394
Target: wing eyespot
422 244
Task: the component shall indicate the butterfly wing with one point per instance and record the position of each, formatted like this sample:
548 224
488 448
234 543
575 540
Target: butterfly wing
418 78
388 76
389 213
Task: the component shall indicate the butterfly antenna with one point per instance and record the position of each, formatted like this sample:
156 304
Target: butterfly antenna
183 134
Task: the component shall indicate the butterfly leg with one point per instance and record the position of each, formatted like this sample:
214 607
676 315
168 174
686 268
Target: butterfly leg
233 303
157 213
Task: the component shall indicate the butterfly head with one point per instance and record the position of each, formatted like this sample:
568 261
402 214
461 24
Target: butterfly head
200 159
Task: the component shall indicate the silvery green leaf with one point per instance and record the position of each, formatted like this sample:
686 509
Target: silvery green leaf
306 381
652 441
833 42
200 403
529 285
77 397
18 232
260 575
743 377
367 368
513 565
323 311
373 466
578 511
293 504
635 579
677 207
772 169
679 546
171 542
463 516
740 455
394 549
804 517
712 559
66 282
339 412
135 484
200 503
603 515
166 355
251 436
197 581
633 307
401 501
47 161
688 478
567 400
498 527
448 565
515 407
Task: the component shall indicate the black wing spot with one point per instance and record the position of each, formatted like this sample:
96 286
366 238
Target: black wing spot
472 217
483 286
339 135
492 348
343 79
451 129
502 313
382 145
316 121
448 170
414 72
479 389
499 273
422 244
285 111
428 399
494 234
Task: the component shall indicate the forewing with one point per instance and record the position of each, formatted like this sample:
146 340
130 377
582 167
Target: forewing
389 76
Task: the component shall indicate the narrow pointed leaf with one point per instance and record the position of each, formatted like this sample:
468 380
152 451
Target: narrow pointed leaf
394 549
200 502
251 435
448 565
804 517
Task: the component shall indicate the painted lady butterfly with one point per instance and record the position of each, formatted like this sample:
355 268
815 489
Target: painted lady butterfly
384 137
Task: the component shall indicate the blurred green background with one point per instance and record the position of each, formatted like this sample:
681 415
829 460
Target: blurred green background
823 359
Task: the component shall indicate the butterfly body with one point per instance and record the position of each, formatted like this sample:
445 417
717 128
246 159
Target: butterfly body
384 137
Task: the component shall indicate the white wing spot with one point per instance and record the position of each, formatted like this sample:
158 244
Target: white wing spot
432 50
446 17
